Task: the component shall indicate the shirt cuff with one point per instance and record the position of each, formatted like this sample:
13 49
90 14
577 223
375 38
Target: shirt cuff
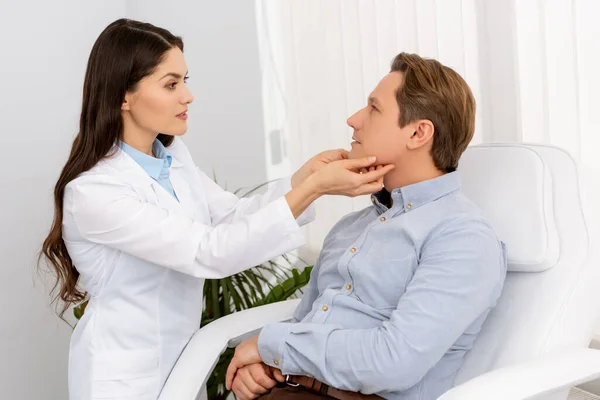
271 342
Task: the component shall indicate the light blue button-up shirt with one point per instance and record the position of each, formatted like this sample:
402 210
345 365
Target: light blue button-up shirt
159 167
397 296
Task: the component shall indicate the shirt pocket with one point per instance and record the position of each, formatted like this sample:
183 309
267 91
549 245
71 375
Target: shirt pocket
126 374
382 275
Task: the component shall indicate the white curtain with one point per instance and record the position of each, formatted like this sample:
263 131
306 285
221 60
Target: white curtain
559 59
532 66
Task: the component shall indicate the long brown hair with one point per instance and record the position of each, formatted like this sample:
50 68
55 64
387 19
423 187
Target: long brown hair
124 53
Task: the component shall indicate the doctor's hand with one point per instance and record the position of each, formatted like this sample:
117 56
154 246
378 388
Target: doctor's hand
350 177
245 354
254 380
316 163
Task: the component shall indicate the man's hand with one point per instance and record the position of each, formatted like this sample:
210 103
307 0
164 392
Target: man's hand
245 354
254 380
316 163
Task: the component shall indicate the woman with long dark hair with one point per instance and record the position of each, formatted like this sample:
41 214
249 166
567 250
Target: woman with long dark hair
137 227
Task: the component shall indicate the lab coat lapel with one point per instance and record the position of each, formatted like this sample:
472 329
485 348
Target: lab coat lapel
141 178
181 187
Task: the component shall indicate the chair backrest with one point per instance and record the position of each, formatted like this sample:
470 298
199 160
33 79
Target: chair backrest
531 195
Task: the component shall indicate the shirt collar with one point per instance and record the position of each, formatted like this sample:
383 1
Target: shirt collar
157 167
414 196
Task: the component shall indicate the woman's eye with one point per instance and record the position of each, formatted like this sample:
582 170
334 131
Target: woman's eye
172 85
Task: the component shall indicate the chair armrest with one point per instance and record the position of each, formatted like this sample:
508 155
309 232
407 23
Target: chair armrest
550 373
202 352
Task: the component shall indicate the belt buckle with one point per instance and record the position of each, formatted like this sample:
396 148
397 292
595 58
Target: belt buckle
290 382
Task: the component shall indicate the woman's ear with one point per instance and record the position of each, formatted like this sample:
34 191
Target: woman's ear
128 101
125 104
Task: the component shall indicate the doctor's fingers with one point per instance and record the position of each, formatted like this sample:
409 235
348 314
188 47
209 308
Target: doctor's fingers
333 155
368 188
365 170
376 174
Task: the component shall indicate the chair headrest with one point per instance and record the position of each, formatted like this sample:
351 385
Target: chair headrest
513 186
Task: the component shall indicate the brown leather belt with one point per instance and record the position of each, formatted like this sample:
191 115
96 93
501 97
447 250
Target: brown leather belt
319 387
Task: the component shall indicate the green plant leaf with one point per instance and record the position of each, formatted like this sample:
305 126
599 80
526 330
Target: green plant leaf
226 298
237 299
287 288
215 286
80 310
240 281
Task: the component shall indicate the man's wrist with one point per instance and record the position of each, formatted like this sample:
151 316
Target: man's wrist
270 344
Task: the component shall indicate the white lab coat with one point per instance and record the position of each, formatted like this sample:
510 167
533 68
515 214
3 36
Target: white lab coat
143 257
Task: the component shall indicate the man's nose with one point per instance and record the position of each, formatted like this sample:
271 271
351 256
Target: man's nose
353 121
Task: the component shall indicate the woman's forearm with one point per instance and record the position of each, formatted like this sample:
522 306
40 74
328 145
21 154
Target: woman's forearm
300 197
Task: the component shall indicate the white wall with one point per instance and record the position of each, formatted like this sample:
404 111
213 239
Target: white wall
44 52
45 45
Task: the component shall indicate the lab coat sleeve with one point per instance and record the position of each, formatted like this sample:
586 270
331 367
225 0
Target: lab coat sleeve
109 212
227 207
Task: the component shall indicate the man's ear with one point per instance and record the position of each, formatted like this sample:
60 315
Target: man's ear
422 134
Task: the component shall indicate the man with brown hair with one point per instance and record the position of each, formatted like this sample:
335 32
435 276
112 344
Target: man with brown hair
401 289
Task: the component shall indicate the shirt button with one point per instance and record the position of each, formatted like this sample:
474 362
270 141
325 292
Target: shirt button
348 286
276 362
408 206
382 219
353 250
325 308
373 199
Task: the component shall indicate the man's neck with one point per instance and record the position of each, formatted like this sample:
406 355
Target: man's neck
402 176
